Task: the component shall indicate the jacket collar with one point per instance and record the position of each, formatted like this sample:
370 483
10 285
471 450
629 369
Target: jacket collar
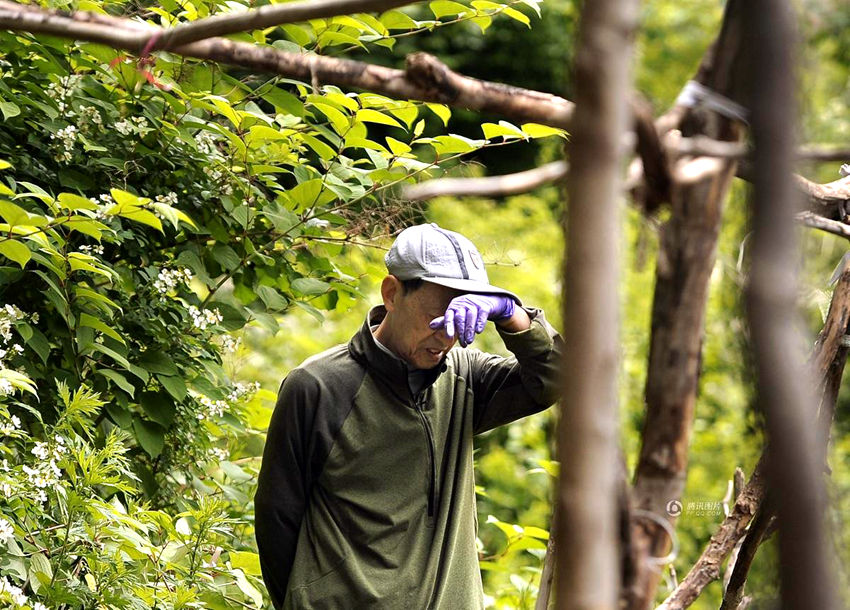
392 371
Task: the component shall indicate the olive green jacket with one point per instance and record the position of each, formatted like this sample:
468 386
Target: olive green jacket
366 497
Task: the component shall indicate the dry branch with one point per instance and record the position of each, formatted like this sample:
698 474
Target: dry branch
588 566
425 78
491 186
827 363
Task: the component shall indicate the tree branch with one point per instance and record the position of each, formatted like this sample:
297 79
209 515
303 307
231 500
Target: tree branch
425 78
267 16
491 186
756 534
827 364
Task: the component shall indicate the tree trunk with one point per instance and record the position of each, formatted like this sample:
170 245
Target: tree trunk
587 514
794 465
685 262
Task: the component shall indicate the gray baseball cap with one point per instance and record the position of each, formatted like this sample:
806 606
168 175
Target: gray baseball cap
440 256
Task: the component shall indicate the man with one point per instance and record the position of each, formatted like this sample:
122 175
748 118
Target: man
366 496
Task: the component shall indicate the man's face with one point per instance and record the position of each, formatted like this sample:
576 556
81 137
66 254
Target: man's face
412 311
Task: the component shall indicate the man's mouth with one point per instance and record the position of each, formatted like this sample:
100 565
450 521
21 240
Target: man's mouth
434 353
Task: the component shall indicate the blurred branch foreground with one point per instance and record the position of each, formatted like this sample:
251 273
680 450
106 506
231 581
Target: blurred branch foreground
609 535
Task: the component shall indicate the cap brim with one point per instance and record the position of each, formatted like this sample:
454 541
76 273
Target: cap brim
471 286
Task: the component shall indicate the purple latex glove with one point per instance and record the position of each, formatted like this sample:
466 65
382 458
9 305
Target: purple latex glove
468 314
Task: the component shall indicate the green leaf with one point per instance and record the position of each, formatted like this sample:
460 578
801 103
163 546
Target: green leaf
309 286
368 115
396 20
13 214
443 8
119 415
535 130
248 589
246 561
15 251
70 201
517 15
92 322
235 473
226 257
158 407
174 386
441 111
503 128
282 218
39 344
9 109
272 298
150 436
156 361
119 380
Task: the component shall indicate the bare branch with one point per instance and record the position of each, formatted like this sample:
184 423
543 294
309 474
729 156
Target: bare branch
706 147
810 219
756 534
491 186
425 78
268 16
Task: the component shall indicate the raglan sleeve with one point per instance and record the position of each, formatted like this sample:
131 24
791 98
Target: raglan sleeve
507 389
284 481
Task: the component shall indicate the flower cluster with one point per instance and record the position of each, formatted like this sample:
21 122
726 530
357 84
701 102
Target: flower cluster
63 143
106 203
211 408
89 117
9 315
201 318
230 344
6 530
169 279
240 390
61 92
10 592
169 199
220 177
136 124
86 249
7 428
205 142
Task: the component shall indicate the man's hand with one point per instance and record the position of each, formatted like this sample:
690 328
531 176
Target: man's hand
468 314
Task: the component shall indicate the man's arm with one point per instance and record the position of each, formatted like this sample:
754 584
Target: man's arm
507 389
281 498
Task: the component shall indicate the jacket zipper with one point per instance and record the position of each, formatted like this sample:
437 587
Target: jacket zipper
432 486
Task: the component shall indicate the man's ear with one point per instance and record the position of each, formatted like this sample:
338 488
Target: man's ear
391 291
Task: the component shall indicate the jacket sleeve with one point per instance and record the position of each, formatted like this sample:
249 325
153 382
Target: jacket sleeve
284 481
507 389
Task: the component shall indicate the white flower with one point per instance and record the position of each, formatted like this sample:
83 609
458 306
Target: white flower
64 141
169 279
15 592
6 530
124 127
86 249
230 344
89 115
6 488
17 348
6 387
205 142
169 199
39 606
203 318
16 421
40 451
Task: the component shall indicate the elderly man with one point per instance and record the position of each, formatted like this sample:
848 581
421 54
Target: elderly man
366 497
